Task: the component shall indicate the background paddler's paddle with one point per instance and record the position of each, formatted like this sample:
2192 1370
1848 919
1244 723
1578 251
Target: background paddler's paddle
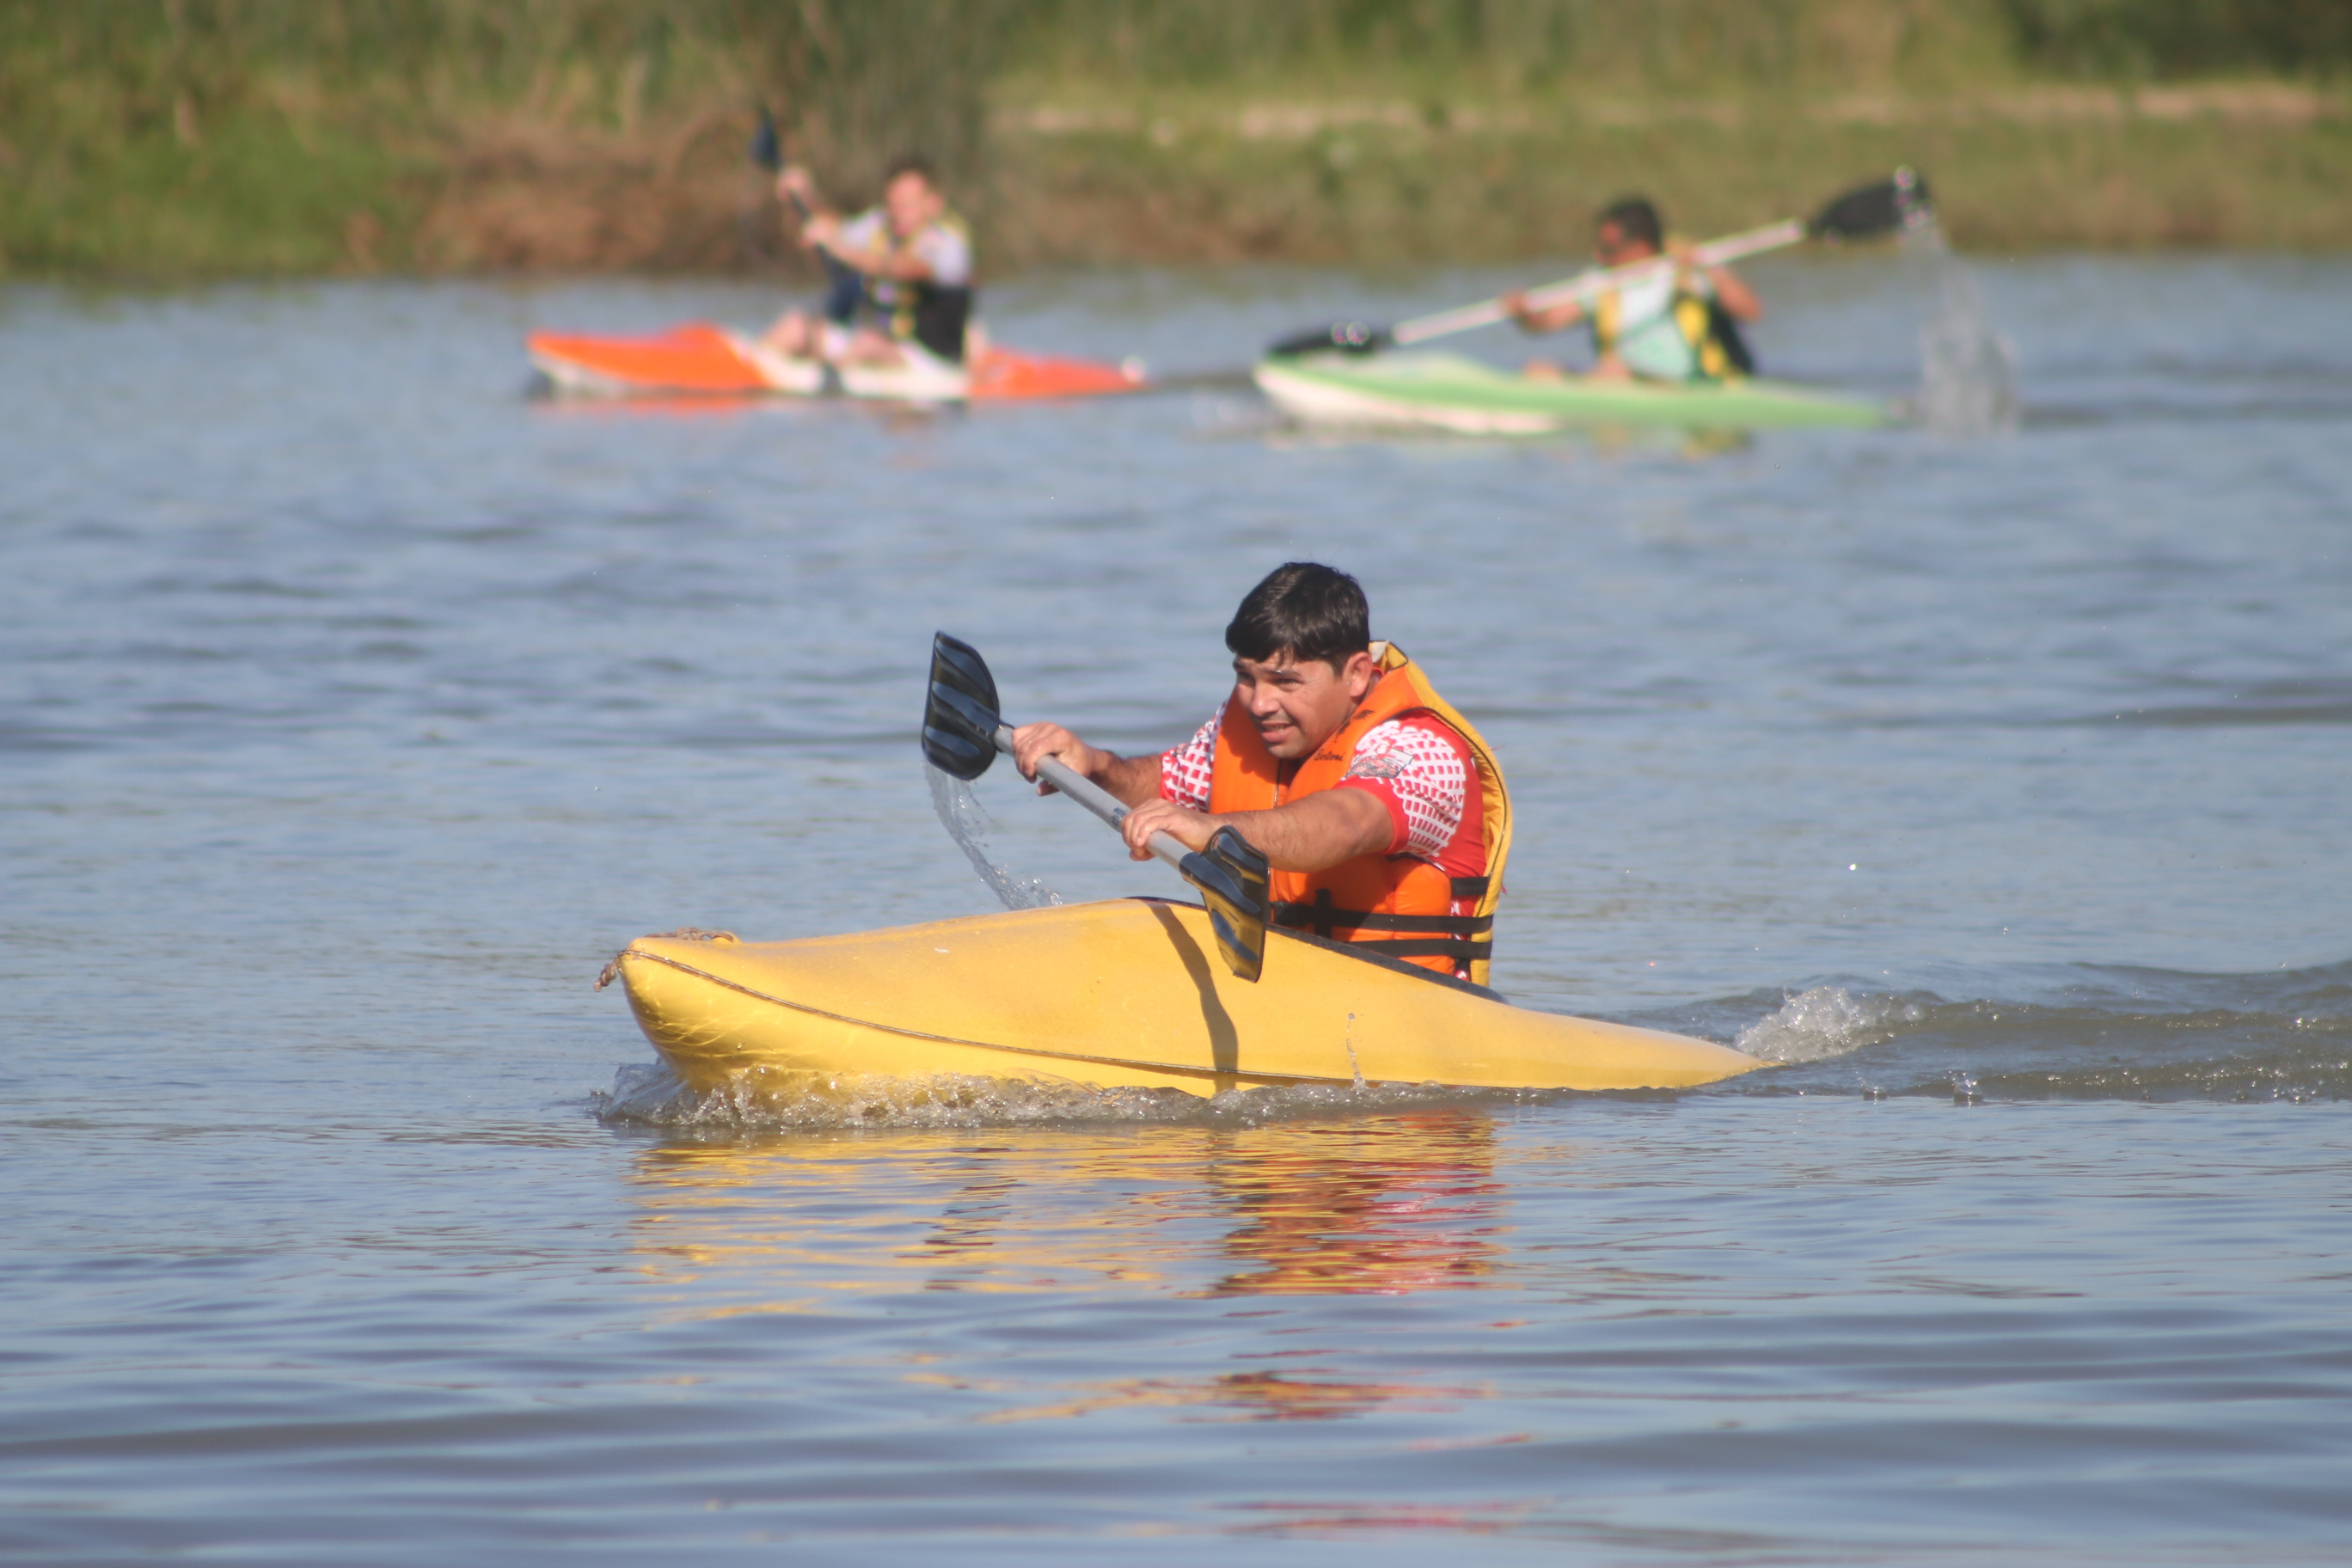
844 285
962 732
1880 207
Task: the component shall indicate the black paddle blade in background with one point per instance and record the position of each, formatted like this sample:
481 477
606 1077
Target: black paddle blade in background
1233 879
1346 337
959 720
767 149
1880 207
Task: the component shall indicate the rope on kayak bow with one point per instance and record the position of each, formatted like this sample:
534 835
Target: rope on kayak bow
612 971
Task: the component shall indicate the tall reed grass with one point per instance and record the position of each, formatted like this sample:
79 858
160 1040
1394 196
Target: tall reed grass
172 136
1683 44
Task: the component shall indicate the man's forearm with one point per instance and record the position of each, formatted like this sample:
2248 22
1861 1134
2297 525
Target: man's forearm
1737 297
880 262
1556 319
1319 832
1132 780
875 261
1310 835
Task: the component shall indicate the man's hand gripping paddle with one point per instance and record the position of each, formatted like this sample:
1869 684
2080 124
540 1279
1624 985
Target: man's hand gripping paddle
1882 206
962 732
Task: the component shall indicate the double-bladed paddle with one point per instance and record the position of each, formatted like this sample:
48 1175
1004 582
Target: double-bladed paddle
962 732
1880 207
845 286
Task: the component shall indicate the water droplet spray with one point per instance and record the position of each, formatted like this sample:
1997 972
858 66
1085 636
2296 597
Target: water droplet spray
1968 378
960 814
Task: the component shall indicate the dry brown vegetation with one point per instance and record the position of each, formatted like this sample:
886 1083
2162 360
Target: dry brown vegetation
204 136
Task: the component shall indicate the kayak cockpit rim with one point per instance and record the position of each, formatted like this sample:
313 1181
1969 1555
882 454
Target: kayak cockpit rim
1351 950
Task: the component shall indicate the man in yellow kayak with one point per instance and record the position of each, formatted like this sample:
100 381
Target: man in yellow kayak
1380 810
901 276
1679 325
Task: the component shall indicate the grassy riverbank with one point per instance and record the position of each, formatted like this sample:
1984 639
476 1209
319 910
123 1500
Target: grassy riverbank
2240 165
174 138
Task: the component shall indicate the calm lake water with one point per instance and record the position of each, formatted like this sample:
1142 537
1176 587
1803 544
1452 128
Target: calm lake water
355 709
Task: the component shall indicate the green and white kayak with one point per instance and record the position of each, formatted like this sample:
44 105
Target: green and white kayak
1429 391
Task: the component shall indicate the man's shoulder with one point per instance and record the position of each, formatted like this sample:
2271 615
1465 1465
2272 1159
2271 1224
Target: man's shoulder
1422 721
1397 746
946 246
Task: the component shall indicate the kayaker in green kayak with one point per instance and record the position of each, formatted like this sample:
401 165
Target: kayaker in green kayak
901 275
1382 811
1679 326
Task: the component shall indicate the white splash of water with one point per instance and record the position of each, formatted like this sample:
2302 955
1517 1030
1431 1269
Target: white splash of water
651 1095
1968 374
1248 418
1826 1021
960 814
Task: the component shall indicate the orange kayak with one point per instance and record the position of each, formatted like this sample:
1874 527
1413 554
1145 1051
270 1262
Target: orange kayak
698 359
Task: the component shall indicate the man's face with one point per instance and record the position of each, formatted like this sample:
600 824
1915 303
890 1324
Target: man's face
911 203
1614 248
1299 703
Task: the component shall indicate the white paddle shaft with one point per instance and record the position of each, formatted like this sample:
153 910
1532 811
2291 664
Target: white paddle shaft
1094 797
1714 253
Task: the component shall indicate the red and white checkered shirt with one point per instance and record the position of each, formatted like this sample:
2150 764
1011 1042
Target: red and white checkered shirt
1417 766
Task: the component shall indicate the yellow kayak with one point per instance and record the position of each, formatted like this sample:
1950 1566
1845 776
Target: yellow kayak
1128 993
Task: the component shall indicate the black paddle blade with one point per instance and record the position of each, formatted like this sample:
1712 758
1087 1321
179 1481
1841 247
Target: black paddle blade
960 717
1880 207
1232 878
1346 337
767 151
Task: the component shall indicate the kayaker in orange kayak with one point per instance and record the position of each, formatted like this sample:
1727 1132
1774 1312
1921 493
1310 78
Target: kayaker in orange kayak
1681 325
1382 811
901 275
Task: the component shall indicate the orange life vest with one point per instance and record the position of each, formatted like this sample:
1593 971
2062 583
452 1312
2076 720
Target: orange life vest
1395 905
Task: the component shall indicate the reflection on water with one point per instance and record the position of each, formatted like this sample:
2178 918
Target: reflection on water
1386 1204
1402 1205
1243 1396
1383 1204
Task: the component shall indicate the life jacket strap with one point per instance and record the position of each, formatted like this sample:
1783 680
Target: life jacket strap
1322 918
1459 949
1463 939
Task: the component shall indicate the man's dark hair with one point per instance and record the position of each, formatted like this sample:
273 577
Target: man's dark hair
912 163
1310 611
1636 219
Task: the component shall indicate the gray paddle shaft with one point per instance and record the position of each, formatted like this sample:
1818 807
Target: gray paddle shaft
1094 797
